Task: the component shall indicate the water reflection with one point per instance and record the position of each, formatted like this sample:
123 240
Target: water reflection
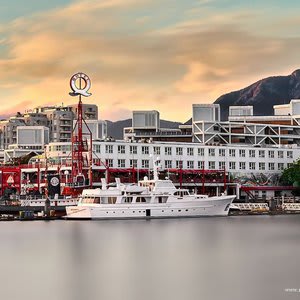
209 258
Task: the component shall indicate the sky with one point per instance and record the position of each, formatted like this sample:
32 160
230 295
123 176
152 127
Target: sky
142 54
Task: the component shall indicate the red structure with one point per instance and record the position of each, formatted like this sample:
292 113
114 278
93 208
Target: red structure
81 151
10 179
18 177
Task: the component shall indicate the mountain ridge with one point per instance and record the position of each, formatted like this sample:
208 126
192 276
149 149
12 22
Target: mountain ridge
263 94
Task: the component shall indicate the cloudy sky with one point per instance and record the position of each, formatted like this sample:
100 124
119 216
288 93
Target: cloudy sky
142 54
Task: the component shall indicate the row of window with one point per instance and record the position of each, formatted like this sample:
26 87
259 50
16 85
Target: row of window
212 165
190 151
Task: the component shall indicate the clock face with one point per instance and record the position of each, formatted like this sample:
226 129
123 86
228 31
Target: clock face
54 181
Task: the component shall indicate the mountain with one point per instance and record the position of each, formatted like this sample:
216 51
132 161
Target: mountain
115 129
263 94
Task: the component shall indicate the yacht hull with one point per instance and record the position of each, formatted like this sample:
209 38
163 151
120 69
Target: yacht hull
213 206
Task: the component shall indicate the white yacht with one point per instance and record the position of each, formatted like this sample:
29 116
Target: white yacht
148 199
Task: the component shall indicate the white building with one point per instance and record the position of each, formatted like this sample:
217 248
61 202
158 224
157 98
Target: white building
29 139
244 129
146 126
237 160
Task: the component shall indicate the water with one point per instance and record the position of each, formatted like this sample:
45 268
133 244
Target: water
248 257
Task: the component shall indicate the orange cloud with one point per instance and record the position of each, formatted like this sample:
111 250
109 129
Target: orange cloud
131 65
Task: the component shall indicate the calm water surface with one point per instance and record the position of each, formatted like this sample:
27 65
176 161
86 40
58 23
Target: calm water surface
255 257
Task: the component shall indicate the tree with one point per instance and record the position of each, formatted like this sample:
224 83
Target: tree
291 175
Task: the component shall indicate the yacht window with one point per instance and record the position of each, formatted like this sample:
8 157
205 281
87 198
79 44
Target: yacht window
87 200
112 200
97 200
162 199
181 193
128 200
140 199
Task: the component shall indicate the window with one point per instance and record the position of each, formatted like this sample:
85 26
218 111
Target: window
110 163
280 154
178 164
168 164
289 154
156 150
121 163
242 152
108 148
145 150
211 152
190 164
190 151
133 163
112 200
251 153
178 151
168 151
261 153
121 149
200 164
242 165
145 163
211 165
140 199
289 165
97 148
133 149
232 165
200 151
221 152
280 166
128 200
221 165
271 153
232 152
271 166
252 165
261 166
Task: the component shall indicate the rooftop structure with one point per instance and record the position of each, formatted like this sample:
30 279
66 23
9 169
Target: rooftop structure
245 129
240 111
146 127
206 112
292 108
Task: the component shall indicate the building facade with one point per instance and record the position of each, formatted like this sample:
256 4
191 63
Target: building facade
146 127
